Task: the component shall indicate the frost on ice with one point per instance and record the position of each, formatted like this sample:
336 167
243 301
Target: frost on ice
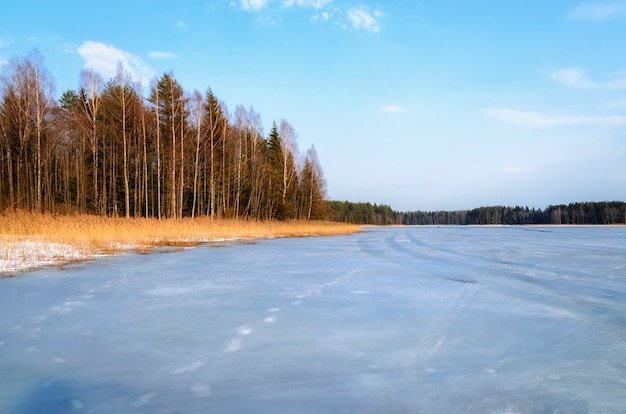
392 320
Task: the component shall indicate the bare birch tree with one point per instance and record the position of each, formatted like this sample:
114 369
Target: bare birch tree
289 151
91 96
313 186
43 90
213 114
196 114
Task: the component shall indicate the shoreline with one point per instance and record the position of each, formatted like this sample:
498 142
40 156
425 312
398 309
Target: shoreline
31 241
28 245
25 256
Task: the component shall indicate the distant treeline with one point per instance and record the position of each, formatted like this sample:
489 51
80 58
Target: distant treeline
605 212
363 213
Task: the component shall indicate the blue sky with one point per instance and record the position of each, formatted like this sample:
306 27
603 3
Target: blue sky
422 105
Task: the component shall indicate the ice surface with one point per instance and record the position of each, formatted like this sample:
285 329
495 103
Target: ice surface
392 320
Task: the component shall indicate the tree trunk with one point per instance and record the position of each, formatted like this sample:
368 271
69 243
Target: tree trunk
125 154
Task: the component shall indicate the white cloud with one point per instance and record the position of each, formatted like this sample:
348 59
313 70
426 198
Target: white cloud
265 21
156 54
393 108
597 11
361 18
578 78
324 16
316 4
181 25
253 4
539 120
358 17
104 60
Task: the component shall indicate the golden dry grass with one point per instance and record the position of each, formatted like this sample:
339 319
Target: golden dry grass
89 235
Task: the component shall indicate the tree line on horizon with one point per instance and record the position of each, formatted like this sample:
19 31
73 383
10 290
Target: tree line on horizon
604 212
106 149
363 213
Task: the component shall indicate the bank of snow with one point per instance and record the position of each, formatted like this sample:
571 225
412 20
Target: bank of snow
21 255
29 254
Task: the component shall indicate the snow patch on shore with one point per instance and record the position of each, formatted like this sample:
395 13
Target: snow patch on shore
16 256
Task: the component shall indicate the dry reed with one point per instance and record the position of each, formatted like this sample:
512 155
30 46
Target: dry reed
88 236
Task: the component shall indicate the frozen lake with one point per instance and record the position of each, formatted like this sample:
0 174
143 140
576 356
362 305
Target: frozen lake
392 320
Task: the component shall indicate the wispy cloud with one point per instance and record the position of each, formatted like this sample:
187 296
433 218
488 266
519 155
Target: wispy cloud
361 18
156 54
256 5
323 16
181 25
104 59
540 120
266 20
598 11
578 78
265 16
393 108
253 4
316 4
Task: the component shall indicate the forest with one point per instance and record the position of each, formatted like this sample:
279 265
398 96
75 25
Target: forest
116 148
605 212
363 213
